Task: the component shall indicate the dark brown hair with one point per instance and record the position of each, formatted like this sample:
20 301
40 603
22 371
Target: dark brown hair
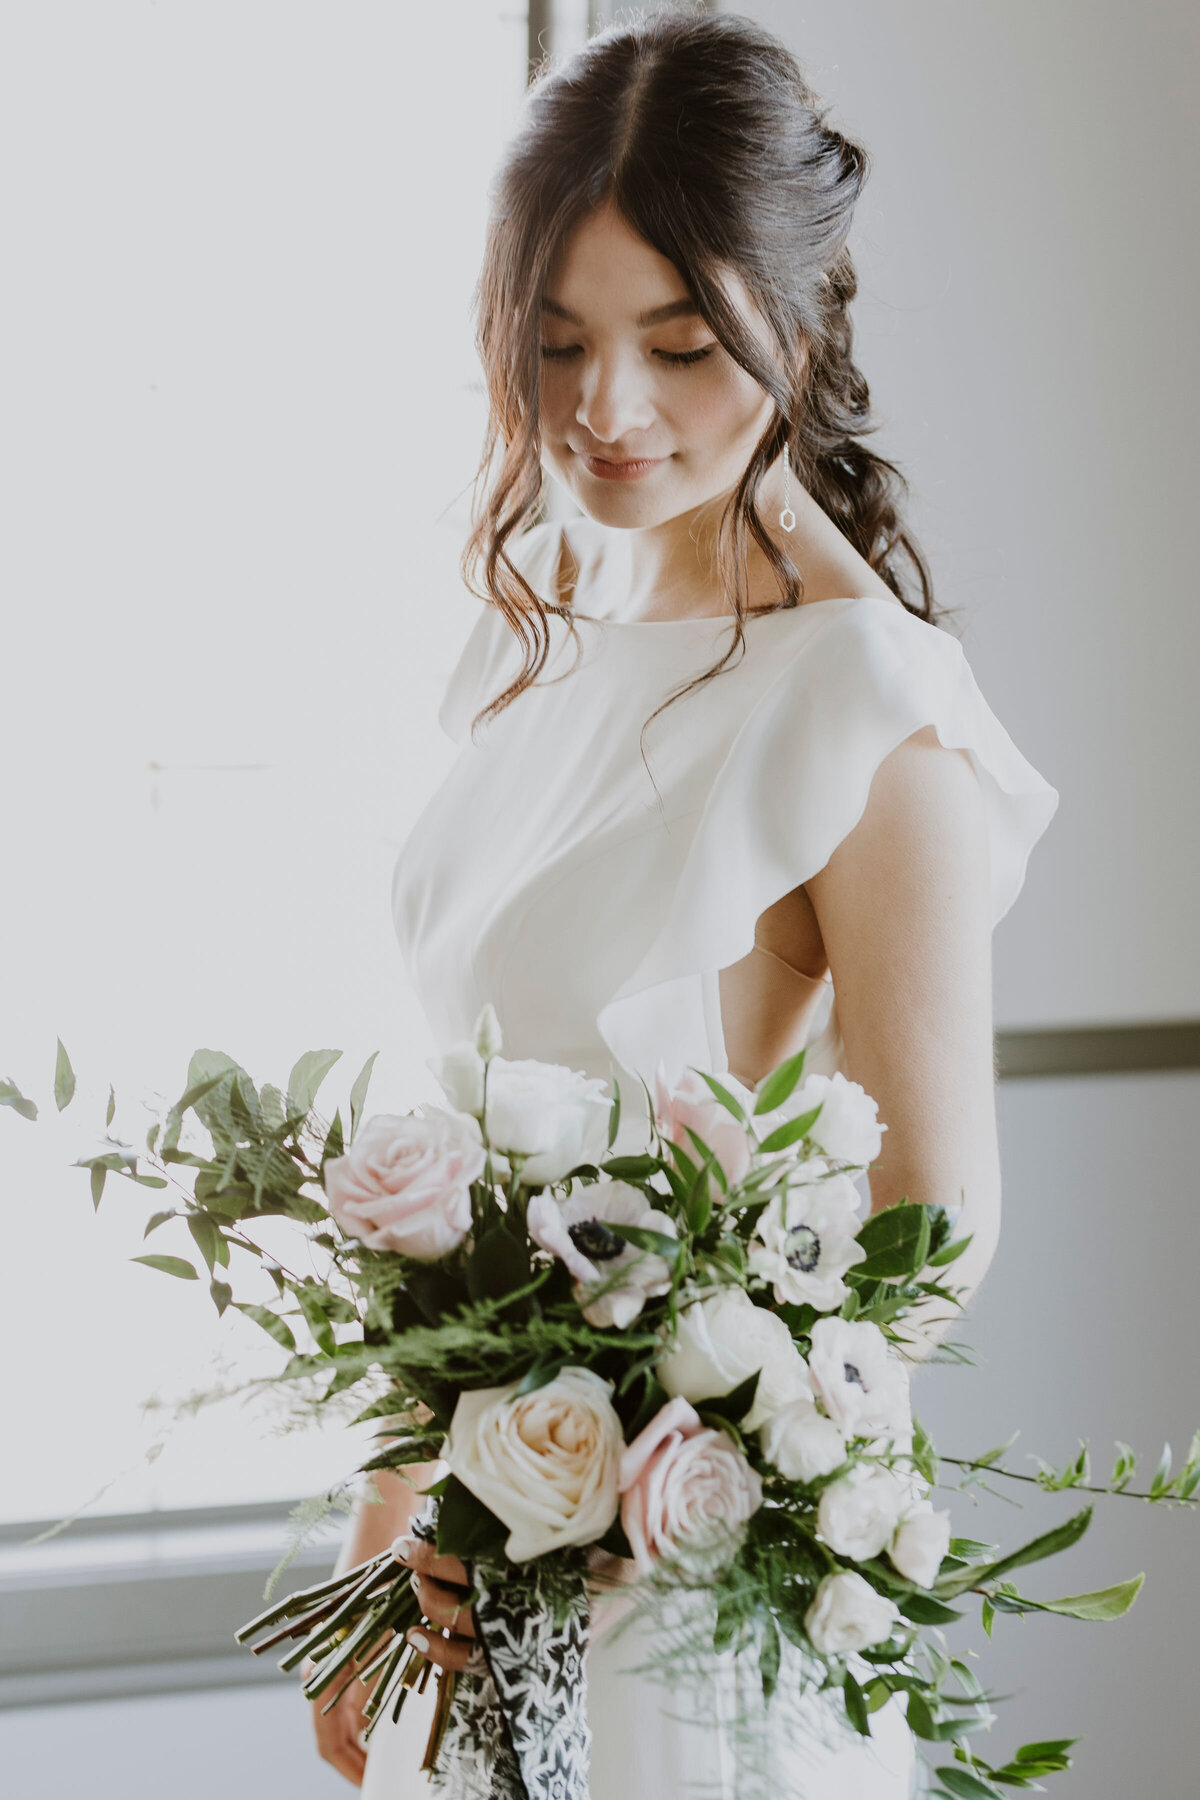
703 132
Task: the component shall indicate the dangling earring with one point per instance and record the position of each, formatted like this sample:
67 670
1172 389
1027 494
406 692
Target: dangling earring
787 517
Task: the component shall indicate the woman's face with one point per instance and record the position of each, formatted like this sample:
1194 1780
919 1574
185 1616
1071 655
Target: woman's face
644 415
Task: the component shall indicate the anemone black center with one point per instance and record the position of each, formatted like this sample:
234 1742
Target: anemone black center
803 1249
852 1374
594 1239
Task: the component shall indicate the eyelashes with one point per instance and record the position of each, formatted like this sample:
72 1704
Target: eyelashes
678 358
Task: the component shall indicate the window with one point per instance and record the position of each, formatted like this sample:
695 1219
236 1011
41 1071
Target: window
242 413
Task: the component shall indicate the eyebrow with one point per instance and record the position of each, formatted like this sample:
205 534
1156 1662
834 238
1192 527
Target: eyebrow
658 315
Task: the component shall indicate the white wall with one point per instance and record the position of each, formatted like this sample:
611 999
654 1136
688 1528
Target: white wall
1030 262
1028 252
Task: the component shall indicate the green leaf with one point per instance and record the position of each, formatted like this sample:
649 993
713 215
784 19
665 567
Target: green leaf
271 1323
896 1241
709 1158
987 1616
923 1609
1048 1544
643 1238
790 1133
949 1252
306 1077
11 1095
728 1100
614 1115
64 1078
318 1323
965 1786
334 1144
779 1084
544 1370
497 1265
155 1219
769 1651
920 1718
204 1234
111 1114
1161 1478
734 1405
358 1093
170 1265
630 1168
1049 1750
856 1706
465 1527
221 1292
99 1176
1104 1603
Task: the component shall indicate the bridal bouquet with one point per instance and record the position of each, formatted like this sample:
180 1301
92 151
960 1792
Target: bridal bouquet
687 1358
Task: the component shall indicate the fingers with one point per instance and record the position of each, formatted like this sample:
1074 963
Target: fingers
417 1553
446 1607
447 1652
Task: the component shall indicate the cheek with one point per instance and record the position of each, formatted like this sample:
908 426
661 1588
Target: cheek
721 411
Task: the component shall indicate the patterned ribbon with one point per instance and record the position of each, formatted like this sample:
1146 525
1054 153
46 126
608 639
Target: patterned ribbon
518 1726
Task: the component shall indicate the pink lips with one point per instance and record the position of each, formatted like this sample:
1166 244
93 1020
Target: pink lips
632 470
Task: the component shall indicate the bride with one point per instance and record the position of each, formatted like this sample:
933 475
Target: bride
717 758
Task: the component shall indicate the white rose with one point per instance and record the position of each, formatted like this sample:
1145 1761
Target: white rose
846 1129
553 1116
860 1383
546 1464
807 1239
849 1615
724 1339
801 1443
857 1515
921 1541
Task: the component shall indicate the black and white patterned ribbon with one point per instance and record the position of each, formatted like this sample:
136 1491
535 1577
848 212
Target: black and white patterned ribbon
518 1727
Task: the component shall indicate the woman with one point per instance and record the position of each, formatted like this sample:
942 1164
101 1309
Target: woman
723 761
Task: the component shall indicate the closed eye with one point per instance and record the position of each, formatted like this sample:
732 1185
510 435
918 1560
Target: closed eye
680 358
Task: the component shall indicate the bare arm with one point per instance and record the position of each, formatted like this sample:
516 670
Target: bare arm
905 914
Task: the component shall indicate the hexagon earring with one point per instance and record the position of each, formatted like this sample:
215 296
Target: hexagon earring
787 517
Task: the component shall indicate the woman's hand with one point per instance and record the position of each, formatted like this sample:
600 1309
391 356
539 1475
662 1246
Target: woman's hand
443 1590
338 1732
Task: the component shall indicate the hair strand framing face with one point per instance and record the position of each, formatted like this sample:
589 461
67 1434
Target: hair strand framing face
702 131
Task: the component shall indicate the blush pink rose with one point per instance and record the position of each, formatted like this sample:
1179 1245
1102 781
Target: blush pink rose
690 1101
404 1184
686 1491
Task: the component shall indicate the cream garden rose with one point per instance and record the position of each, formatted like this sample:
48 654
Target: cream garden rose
725 1338
554 1117
545 1463
687 1491
404 1184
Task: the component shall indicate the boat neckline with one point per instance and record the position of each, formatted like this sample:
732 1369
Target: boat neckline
728 618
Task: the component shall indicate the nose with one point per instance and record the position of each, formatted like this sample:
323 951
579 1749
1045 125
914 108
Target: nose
614 403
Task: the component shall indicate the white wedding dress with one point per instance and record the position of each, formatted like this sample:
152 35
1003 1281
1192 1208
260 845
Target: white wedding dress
548 875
